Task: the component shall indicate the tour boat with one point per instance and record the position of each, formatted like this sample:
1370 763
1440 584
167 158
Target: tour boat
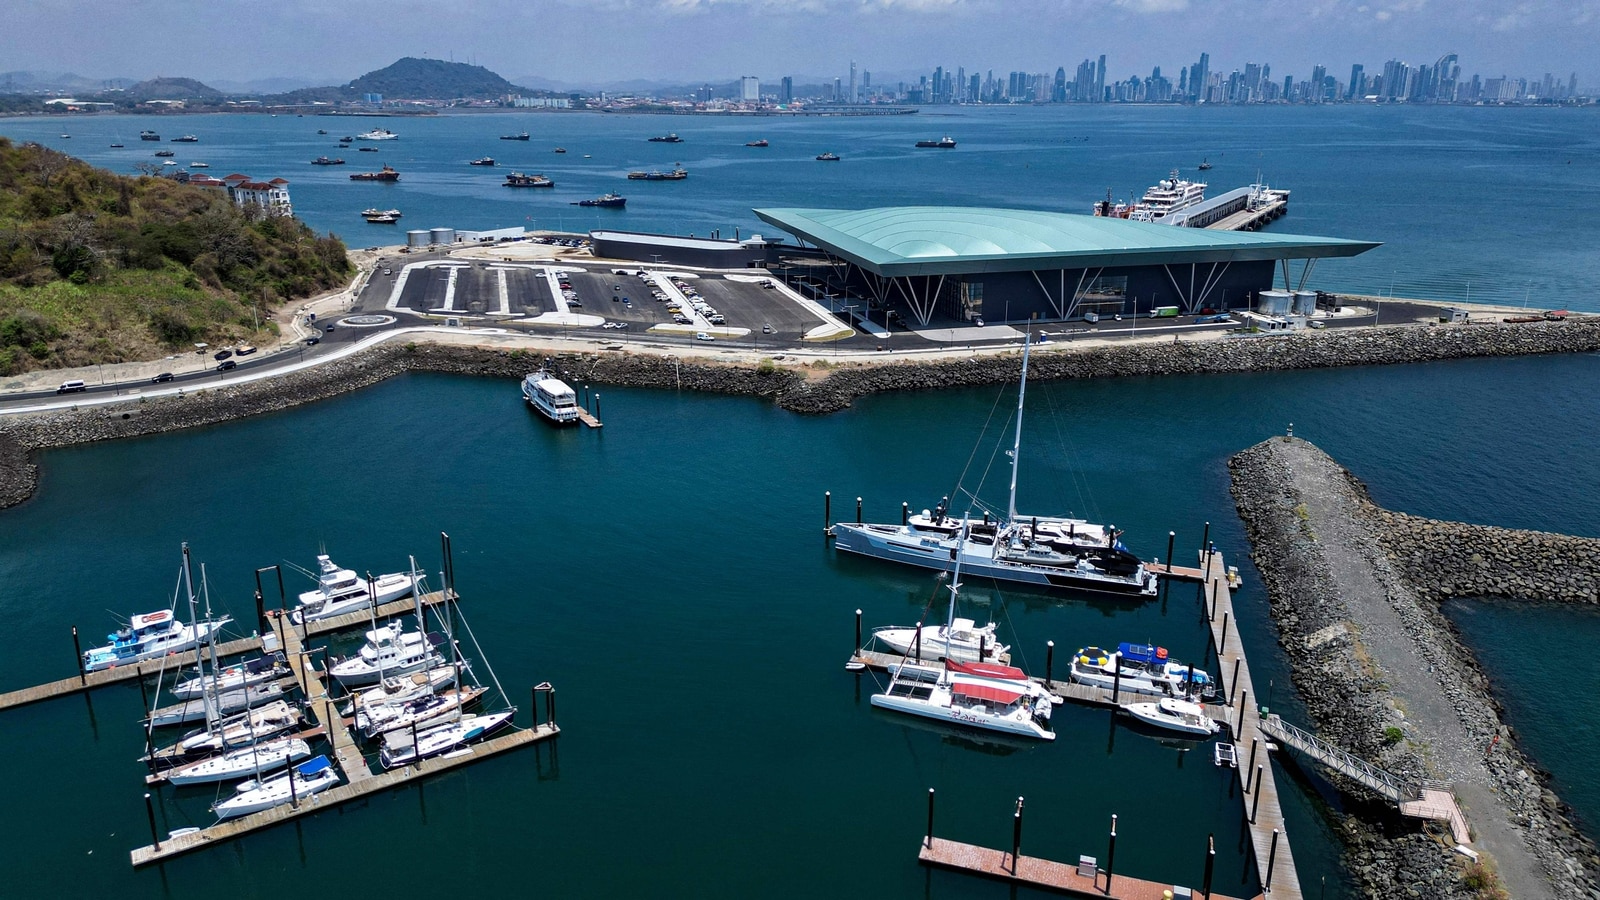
341 591
1144 669
381 216
250 672
296 784
388 651
148 636
1167 196
378 134
1048 551
399 751
266 756
962 639
552 397
1175 715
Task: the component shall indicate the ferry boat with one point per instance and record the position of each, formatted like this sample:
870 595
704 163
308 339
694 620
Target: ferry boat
481 161
758 143
517 179
378 134
552 397
521 136
610 201
1164 198
148 636
324 161
186 139
381 216
667 139
828 157
149 136
388 174
944 143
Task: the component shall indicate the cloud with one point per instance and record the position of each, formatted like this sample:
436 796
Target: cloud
1152 7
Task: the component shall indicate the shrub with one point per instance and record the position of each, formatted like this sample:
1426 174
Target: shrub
1392 736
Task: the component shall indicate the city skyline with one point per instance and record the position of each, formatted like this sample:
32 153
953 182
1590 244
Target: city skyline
689 41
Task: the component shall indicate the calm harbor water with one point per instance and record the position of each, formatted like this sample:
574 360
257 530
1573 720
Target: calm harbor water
1481 204
669 576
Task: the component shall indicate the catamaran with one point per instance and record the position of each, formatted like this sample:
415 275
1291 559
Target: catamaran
1049 551
975 694
1139 669
301 781
341 591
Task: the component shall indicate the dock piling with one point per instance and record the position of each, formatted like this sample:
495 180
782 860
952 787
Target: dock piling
919 642
288 762
1255 800
1016 835
1222 644
77 653
858 630
550 705
150 813
1205 537
533 705
1049 661
261 609
827 510
1233 686
1116 676
1211 863
858 510
1211 606
1272 857
597 404
1111 854
930 817
905 513
1252 767
144 696
1244 696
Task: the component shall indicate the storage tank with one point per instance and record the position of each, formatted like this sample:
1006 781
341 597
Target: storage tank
442 235
1274 303
1305 303
417 240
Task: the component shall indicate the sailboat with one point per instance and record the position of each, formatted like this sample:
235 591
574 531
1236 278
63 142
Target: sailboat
255 759
982 695
398 749
301 781
1048 551
250 672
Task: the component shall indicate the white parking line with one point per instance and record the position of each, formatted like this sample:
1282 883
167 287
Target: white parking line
505 294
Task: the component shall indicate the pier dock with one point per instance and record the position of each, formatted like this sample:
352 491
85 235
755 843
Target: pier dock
1083 880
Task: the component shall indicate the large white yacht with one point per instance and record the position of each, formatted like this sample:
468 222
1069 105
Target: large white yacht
341 591
148 636
552 397
378 134
388 651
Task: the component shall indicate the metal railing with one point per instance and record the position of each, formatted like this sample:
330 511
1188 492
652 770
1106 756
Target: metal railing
1391 786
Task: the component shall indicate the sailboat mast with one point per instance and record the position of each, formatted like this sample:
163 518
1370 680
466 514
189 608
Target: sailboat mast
1016 445
955 587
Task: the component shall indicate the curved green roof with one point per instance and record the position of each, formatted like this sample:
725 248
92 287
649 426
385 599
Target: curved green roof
944 240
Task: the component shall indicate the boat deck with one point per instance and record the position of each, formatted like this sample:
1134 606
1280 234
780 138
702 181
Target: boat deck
1033 872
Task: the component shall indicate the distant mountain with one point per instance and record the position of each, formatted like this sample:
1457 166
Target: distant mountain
173 89
266 85
411 78
57 83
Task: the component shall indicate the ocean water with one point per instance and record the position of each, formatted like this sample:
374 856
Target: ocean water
668 575
1488 205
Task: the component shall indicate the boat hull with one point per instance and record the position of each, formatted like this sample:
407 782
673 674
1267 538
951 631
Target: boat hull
1150 714
1024 727
241 763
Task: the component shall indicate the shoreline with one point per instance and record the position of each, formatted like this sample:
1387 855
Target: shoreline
1354 593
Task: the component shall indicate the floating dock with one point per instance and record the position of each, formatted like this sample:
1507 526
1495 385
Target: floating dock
1085 880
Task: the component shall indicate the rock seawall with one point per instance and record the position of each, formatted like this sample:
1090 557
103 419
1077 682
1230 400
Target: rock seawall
1353 589
1455 559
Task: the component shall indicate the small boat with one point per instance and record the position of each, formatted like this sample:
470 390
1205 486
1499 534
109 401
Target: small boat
301 781
322 131
1175 715
169 163
368 149
962 639
165 153
381 216
341 591
610 201
388 651
827 157
1139 669
116 146
1204 165
378 134
267 756
199 165
186 139
67 136
481 161
667 139
944 143
399 751
149 136
561 149
148 636
324 161
250 672
517 179
552 397
520 136
387 174
401 689
760 143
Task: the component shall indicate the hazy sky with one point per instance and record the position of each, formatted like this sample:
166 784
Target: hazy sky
595 41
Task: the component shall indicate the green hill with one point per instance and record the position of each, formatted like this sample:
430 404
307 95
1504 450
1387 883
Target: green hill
173 89
411 78
99 267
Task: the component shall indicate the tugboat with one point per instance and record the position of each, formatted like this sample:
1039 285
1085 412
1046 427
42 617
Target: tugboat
760 143
610 201
149 136
324 161
944 143
186 139
667 139
517 179
483 161
522 136
387 174
828 157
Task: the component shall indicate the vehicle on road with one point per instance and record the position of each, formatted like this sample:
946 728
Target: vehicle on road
329 329
163 377
702 336
227 365
767 328
1216 317
313 340
72 387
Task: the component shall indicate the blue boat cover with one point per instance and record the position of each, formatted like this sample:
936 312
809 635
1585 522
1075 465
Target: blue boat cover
313 766
1144 654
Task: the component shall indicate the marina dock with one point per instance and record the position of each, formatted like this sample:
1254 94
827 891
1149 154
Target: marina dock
90 680
1083 880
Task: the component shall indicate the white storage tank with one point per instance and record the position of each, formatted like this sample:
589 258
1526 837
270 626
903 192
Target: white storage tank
417 239
1275 303
442 235
1305 303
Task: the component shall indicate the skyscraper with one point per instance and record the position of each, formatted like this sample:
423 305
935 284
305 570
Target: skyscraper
853 96
786 89
1358 83
1199 75
1100 80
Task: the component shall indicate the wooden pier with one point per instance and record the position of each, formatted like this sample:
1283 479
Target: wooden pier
346 753
1033 872
175 661
587 419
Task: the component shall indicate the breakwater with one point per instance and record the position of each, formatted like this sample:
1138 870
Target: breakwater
1353 590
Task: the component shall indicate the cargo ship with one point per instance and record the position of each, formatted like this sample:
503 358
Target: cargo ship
944 143
667 139
387 174
674 175
514 137
610 201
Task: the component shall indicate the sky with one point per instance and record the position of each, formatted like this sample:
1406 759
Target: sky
593 42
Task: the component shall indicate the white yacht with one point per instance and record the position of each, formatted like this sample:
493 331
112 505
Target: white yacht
398 750
148 636
961 639
552 397
377 134
254 796
1166 197
401 689
267 756
341 591
1040 550
1175 715
1139 669
250 672
388 651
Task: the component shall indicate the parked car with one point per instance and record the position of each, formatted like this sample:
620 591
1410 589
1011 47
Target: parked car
163 377
766 328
